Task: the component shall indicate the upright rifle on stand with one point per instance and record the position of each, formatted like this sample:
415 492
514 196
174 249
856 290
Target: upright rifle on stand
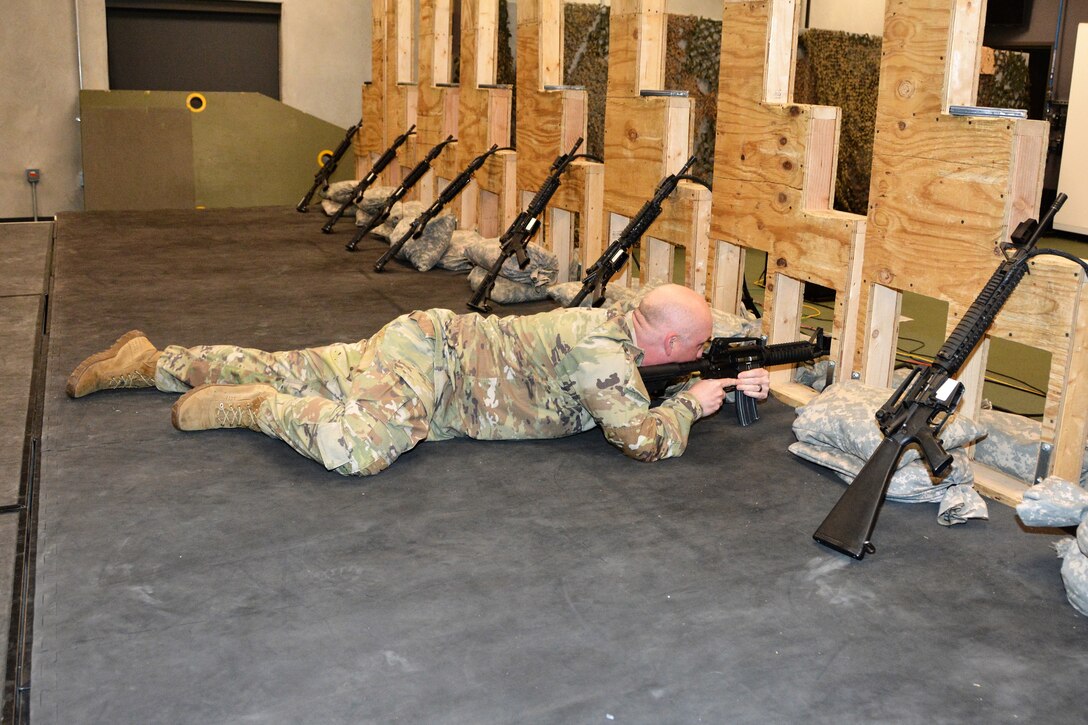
923 403
321 178
415 230
418 172
365 183
613 258
515 240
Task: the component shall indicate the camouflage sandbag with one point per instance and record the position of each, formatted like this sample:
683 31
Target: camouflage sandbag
958 501
330 207
1074 573
1054 502
507 291
813 374
1012 445
338 192
844 417
543 266
565 292
454 259
959 504
1057 502
399 210
424 251
911 483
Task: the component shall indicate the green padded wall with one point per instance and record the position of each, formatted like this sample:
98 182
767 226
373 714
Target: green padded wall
147 150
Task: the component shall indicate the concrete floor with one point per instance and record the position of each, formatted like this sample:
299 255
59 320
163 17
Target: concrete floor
219 577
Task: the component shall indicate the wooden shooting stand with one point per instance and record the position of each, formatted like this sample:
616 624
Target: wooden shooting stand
389 100
774 180
647 136
550 118
946 189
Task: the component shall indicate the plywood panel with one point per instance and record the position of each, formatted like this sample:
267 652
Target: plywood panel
774 168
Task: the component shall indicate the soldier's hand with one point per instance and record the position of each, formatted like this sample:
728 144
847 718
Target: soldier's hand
754 383
710 393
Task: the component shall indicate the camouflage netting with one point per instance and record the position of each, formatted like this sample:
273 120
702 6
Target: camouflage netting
692 59
833 69
843 69
1009 86
585 63
691 64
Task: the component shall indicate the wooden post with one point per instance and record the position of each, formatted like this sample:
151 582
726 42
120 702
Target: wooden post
774 178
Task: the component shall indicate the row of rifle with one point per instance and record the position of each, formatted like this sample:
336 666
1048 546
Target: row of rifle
913 416
514 241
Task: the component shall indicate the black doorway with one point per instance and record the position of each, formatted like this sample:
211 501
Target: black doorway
190 45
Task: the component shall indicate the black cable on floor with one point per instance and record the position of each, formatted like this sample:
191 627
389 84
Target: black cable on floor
16 704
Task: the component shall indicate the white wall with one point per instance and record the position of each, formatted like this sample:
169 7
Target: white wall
39 86
851 16
324 59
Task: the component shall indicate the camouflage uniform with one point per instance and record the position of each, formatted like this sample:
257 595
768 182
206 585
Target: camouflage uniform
434 375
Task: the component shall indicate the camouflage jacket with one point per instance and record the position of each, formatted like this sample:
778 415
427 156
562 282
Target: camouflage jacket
551 375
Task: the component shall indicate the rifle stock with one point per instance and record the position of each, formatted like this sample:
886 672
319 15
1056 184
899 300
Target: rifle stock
850 523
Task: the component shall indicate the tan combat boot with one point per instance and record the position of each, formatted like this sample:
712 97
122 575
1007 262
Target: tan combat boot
220 406
128 363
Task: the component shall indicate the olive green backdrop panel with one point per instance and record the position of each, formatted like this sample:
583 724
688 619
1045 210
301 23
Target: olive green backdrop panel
250 150
147 150
136 157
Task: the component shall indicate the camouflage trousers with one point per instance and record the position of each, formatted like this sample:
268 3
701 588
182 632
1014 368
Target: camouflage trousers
354 407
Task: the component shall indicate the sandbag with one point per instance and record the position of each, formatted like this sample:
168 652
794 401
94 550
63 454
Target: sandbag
424 252
507 291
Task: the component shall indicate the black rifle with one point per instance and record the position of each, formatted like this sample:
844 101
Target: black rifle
418 172
728 356
365 183
321 178
919 408
613 258
515 240
448 194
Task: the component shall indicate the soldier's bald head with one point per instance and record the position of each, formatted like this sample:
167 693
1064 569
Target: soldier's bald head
673 307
